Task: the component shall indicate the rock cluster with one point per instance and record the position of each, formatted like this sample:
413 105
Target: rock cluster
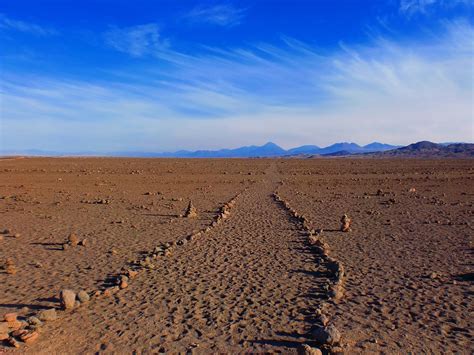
10 267
14 331
345 223
70 300
191 211
73 241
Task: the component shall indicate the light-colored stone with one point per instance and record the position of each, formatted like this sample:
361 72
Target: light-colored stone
48 315
191 211
83 296
67 299
35 321
73 239
346 223
305 349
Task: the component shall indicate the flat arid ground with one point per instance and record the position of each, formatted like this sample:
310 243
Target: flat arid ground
262 267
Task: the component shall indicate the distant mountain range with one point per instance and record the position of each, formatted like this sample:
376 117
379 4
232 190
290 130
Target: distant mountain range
272 150
420 149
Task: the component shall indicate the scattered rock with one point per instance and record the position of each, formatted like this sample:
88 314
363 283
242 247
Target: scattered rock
4 328
35 321
30 337
83 296
305 349
16 235
327 335
10 267
132 273
323 319
73 240
12 342
67 299
15 325
345 223
48 315
10 317
123 284
191 211
83 242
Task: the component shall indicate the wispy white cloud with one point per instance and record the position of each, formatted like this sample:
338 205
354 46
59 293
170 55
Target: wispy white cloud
411 7
136 40
225 15
7 23
293 94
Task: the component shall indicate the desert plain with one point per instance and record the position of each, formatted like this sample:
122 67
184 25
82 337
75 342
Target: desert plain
260 265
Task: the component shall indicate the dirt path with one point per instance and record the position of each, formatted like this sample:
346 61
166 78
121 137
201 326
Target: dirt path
248 284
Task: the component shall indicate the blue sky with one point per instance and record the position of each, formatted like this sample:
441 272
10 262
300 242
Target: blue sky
150 75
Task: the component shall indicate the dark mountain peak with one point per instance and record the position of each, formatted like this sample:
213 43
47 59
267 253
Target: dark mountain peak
423 145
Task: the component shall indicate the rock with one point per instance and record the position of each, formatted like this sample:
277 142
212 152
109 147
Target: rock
83 296
66 246
4 336
67 299
4 328
323 319
337 350
10 317
336 292
12 342
433 275
191 211
327 335
17 333
16 235
73 240
15 325
123 284
345 223
48 315
1 237
305 349
30 337
110 291
132 273
35 321
83 243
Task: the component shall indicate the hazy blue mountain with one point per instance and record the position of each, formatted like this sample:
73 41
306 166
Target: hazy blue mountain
378 147
304 149
267 150
343 146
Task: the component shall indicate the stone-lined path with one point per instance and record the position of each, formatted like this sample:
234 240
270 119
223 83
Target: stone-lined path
249 284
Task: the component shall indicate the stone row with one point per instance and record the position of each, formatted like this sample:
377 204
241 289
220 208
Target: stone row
326 335
14 331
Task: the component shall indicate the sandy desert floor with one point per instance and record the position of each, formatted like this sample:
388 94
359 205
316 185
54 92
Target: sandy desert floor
241 276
